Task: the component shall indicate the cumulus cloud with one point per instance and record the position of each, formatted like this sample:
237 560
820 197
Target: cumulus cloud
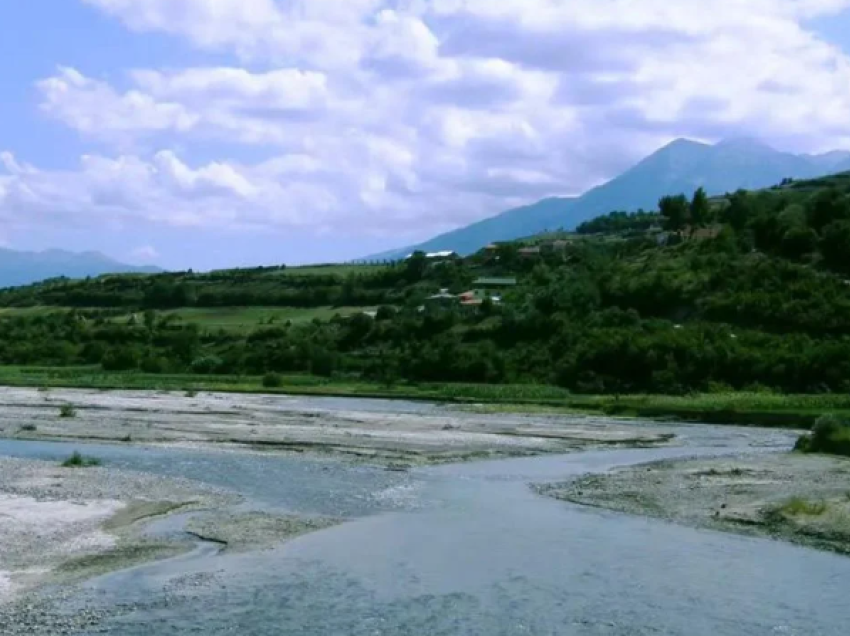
382 114
95 108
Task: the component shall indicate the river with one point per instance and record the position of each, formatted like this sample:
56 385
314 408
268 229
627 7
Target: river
469 549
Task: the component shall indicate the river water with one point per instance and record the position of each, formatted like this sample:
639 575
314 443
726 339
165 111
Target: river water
470 550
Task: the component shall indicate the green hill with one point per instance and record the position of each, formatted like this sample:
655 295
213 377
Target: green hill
746 292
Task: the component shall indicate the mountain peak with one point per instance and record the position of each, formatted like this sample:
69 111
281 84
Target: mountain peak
681 166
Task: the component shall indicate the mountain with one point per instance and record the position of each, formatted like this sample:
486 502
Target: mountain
22 268
505 227
681 166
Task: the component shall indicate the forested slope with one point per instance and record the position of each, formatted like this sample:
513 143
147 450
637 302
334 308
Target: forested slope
740 292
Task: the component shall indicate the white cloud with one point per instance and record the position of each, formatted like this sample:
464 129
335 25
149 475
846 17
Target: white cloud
381 114
95 108
144 254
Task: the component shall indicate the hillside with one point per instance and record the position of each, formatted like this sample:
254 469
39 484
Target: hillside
744 292
682 166
23 268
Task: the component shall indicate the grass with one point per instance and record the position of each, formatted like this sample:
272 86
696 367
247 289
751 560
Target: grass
79 461
67 411
247 319
330 270
755 408
241 320
798 507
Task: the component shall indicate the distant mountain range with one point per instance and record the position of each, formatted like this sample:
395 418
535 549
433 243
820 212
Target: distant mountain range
681 166
23 268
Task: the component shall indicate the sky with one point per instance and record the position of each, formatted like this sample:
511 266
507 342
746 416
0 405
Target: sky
220 133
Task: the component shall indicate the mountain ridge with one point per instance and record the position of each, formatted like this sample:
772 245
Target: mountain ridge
683 165
25 267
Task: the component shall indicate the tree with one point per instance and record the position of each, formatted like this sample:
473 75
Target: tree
150 319
798 242
700 209
415 266
835 246
675 210
826 207
739 211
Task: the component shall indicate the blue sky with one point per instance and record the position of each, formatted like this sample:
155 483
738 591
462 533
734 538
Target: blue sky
212 133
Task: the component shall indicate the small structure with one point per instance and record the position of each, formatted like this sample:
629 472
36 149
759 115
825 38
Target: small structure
444 298
437 256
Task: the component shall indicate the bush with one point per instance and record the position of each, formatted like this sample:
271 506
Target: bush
829 435
153 364
67 411
207 365
272 381
78 461
29 428
120 359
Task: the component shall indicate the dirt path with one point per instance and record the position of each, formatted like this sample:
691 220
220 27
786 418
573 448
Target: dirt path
804 499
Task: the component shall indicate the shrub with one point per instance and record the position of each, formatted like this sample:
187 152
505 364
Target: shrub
79 461
272 381
67 411
207 365
153 364
829 435
29 428
191 393
120 359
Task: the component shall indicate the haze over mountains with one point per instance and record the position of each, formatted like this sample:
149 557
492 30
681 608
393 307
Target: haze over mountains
22 268
681 166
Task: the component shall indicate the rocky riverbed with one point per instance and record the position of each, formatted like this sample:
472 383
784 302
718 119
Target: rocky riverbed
804 499
277 423
63 525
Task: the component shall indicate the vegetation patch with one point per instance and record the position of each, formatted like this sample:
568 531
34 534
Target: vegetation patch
76 460
830 435
272 381
67 411
798 506
727 310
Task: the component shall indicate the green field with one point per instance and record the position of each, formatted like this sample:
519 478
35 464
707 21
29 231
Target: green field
236 319
746 409
246 319
330 270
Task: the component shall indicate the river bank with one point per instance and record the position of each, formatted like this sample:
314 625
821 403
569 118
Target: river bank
61 525
804 499
398 435
754 408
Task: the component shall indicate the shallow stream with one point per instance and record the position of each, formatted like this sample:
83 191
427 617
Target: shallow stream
468 550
